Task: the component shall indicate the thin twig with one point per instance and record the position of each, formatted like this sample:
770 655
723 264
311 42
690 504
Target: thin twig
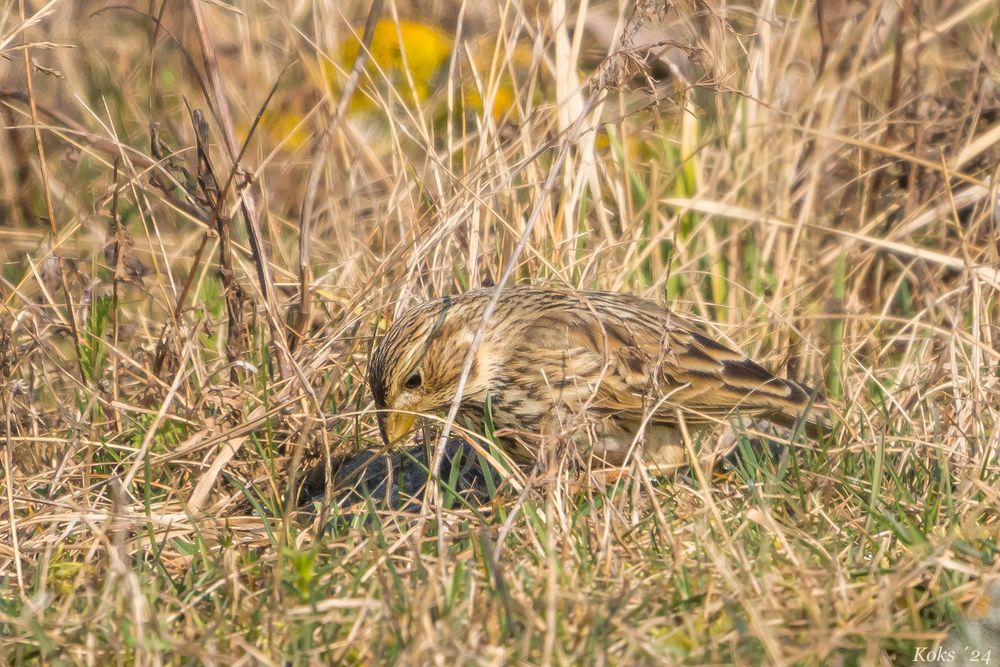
118 267
50 209
248 207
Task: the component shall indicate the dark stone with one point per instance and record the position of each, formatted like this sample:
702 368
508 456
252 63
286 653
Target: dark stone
398 479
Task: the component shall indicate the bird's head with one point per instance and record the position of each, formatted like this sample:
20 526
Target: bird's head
417 366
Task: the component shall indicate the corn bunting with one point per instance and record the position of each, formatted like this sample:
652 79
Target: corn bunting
609 372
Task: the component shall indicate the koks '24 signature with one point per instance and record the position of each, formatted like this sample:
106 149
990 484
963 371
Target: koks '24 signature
941 654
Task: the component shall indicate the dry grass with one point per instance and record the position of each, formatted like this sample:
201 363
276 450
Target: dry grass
816 179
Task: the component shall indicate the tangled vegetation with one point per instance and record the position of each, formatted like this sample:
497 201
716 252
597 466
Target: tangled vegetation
209 211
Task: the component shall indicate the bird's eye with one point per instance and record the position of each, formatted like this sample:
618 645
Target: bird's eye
413 381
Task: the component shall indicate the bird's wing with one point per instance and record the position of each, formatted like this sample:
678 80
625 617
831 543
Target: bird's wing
637 359
709 380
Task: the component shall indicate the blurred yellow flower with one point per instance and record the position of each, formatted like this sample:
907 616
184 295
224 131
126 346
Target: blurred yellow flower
505 98
410 57
409 61
285 125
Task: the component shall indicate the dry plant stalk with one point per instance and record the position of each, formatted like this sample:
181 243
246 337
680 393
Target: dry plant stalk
235 296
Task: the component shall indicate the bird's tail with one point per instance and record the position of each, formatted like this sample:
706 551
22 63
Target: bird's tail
813 419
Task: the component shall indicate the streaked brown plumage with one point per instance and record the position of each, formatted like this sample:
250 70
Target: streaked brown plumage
611 370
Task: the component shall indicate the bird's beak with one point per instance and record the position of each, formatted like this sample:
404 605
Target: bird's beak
394 426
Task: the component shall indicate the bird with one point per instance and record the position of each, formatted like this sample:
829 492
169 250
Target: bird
614 374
